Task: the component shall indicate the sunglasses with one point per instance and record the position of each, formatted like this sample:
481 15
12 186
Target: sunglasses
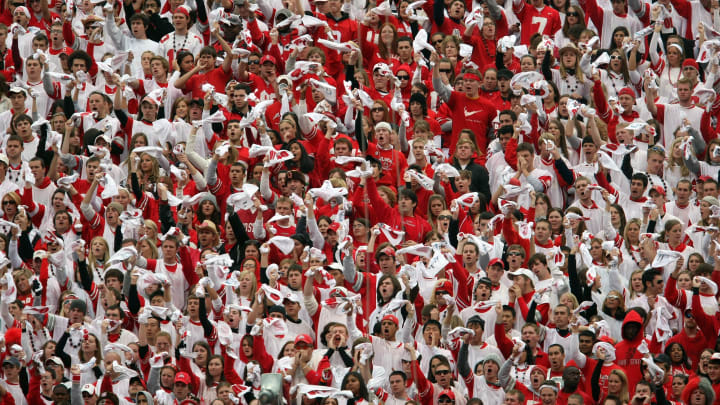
18 4
445 70
253 62
514 254
438 41
440 292
8 202
688 314
445 401
403 77
614 57
573 14
442 372
377 109
445 217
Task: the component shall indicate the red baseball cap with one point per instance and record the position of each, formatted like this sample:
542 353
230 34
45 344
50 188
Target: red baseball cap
184 10
392 318
183 377
445 286
447 393
268 58
496 261
659 190
303 339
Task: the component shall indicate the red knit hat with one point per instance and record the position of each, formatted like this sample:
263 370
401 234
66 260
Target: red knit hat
692 63
626 91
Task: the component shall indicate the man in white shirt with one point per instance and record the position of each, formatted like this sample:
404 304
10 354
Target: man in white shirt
137 43
11 367
398 389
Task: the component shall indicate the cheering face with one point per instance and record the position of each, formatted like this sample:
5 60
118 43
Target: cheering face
483 291
443 375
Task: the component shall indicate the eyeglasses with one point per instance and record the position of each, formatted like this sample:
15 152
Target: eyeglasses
442 372
445 70
573 14
614 57
403 77
8 202
448 217
377 109
253 62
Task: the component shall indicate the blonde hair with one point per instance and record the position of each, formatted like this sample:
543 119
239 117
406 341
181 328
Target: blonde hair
91 259
153 248
253 283
672 161
151 225
624 395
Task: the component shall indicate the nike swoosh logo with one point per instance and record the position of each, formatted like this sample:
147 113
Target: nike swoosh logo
469 113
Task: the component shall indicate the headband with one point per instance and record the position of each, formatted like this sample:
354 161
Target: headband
471 76
676 46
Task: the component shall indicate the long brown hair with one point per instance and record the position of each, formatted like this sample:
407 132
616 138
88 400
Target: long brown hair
386 53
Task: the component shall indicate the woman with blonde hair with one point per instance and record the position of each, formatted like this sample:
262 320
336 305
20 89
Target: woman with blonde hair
22 278
630 248
569 78
570 300
618 385
147 249
150 232
244 294
450 49
98 254
636 287
668 66
675 167
10 203
613 311
436 205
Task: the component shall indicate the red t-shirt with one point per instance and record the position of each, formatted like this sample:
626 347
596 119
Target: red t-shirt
217 77
467 113
545 21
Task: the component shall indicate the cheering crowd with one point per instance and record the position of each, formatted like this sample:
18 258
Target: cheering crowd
345 202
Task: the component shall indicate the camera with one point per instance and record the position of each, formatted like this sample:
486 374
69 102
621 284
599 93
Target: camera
271 391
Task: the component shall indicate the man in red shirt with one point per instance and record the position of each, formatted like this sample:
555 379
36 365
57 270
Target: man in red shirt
467 110
206 72
536 17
